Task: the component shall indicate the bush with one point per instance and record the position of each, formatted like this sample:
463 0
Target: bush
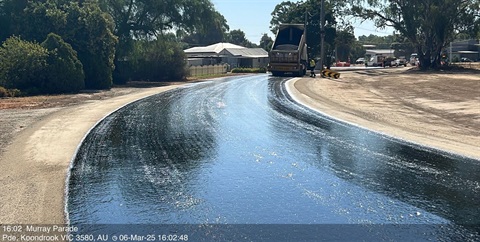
23 65
4 92
160 60
15 93
249 70
51 67
64 70
9 92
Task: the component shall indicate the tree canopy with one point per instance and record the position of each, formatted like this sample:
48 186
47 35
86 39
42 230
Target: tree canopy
237 37
216 31
147 19
266 42
82 24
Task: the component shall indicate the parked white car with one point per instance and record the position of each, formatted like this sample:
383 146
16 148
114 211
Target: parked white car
360 61
401 61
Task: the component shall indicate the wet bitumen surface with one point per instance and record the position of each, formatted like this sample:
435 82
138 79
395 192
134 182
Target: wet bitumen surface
235 159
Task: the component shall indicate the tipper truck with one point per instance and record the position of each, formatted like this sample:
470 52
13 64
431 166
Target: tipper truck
289 51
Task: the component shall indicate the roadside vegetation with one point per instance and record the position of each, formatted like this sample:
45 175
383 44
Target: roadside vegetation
249 70
64 46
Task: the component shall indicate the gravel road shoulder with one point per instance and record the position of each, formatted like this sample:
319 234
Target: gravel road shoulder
440 110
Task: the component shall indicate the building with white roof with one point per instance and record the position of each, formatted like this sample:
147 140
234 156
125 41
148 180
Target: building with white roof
233 55
384 52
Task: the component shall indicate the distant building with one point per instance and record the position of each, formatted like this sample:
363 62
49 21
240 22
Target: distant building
465 49
384 52
227 53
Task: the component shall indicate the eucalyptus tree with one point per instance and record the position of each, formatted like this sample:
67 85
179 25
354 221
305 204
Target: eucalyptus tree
237 37
428 24
147 19
215 31
266 42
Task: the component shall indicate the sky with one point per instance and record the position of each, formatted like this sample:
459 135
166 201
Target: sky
253 17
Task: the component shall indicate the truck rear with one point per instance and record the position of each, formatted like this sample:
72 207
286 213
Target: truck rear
289 51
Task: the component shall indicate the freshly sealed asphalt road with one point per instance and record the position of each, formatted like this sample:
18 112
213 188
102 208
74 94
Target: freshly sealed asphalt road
215 158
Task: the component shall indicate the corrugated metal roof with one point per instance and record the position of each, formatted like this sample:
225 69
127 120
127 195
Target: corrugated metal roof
380 51
215 48
248 52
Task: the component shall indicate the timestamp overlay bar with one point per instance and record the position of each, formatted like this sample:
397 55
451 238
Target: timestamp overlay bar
230 232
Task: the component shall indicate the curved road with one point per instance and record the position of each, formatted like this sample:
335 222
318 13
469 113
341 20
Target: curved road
238 150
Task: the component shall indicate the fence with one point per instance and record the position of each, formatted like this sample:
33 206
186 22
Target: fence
471 65
207 70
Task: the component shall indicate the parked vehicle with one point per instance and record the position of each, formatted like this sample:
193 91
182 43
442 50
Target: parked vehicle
465 59
414 59
381 60
342 64
289 51
401 61
360 61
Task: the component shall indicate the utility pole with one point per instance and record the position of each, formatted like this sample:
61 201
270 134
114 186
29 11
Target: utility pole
322 34
306 21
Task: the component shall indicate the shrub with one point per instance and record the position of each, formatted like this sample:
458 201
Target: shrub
161 60
23 65
9 92
4 92
64 70
15 93
249 70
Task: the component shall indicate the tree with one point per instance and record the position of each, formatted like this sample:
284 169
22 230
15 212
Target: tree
80 23
51 67
147 19
237 37
428 24
22 65
266 42
213 33
9 13
357 51
90 33
158 60
64 73
344 43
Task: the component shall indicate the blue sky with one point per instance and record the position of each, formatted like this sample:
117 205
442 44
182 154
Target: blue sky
253 17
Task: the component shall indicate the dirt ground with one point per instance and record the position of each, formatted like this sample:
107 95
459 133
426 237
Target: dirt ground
436 109
39 135
18 113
